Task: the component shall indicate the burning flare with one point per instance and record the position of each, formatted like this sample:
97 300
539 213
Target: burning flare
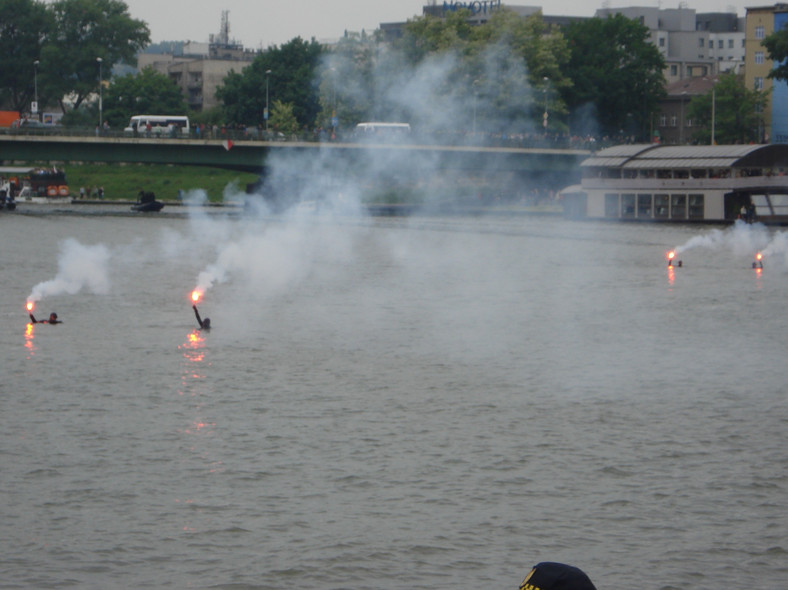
671 255
196 296
30 306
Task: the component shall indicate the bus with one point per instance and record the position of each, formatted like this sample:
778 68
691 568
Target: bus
158 125
382 131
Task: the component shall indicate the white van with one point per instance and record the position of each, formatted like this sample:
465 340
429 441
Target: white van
158 125
382 130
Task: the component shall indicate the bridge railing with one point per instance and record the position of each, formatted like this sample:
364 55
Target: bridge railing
498 140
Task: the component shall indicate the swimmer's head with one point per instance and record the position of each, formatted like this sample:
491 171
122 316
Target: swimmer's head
206 323
52 317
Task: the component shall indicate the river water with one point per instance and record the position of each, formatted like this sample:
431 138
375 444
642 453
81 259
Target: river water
432 403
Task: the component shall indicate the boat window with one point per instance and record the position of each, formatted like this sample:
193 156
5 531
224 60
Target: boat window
696 203
663 173
661 204
628 205
611 205
644 206
699 173
776 203
678 206
681 173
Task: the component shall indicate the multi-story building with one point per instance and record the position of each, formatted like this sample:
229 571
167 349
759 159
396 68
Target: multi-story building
673 124
201 67
692 44
762 21
481 11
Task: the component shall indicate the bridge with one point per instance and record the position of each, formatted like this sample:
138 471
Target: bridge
549 167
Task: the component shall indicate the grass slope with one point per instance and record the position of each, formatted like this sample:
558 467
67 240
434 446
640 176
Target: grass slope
124 181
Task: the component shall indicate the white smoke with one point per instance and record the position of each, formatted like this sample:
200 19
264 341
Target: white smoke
741 239
777 249
79 267
309 192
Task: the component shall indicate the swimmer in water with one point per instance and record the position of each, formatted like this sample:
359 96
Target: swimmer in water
52 319
205 324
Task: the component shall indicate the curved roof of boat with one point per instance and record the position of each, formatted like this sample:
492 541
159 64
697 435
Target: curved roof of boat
689 156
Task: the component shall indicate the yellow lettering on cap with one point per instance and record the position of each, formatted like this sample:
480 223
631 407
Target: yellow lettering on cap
525 585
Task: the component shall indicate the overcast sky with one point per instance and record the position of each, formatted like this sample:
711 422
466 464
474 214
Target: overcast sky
261 23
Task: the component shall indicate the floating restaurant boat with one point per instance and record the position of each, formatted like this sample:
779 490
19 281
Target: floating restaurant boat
713 184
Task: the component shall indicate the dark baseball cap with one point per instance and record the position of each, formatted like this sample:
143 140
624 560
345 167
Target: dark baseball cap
550 575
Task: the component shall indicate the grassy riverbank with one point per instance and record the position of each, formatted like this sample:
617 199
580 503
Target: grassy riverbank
124 181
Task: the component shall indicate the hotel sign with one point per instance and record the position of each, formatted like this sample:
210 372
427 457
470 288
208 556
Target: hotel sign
475 6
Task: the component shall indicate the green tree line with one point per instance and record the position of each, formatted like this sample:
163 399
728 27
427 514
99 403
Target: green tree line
52 50
510 74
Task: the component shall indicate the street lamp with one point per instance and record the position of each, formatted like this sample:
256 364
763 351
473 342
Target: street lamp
713 112
713 109
101 95
334 120
546 81
265 114
35 88
475 98
681 119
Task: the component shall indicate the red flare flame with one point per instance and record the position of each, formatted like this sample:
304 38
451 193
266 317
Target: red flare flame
671 255
759 256
196 296
30 306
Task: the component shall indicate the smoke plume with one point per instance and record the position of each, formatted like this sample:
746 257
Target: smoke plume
79 267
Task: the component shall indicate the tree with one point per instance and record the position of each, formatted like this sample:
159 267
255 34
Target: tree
147 92
85 31
293 80
283 118
427 35
25 25
347 81
738 112
497 68
544 53
617 74
777 46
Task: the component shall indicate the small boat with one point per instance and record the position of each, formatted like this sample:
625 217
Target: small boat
147 203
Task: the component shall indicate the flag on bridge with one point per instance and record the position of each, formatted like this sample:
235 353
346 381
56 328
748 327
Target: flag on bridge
227 144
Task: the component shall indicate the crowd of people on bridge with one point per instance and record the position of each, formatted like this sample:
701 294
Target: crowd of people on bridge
463 136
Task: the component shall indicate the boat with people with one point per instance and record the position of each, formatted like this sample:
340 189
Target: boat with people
711 184
147 203
34 185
